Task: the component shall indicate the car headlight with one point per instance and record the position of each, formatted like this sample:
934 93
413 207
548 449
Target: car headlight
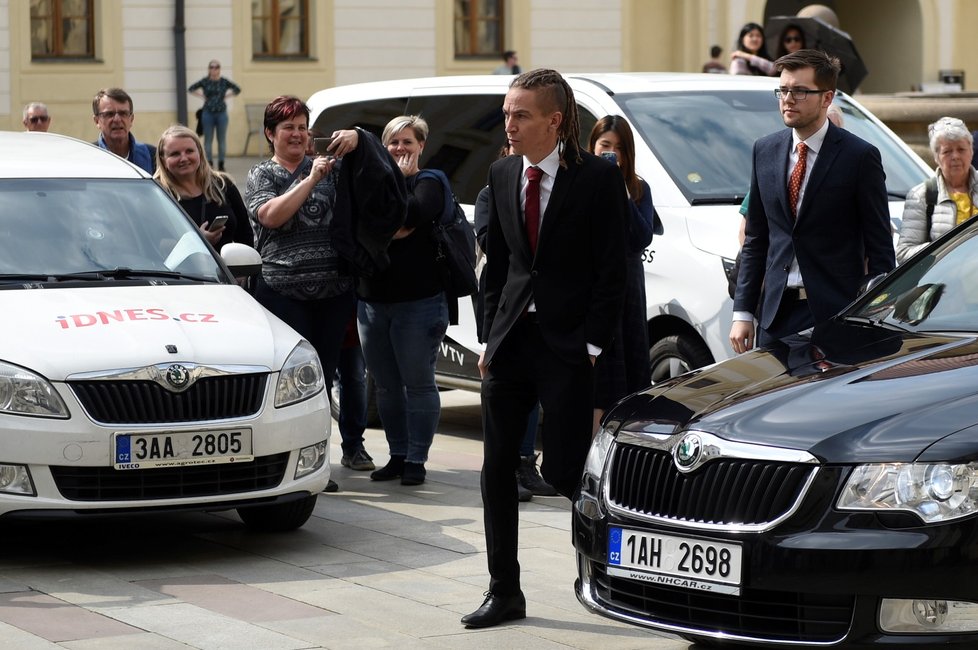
301 377
23 392
598 454
935 492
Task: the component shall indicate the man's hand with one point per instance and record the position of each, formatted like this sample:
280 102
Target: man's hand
742 335
482 365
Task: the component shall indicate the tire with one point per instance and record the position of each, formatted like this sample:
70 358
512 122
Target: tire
373 415
677 354
280 517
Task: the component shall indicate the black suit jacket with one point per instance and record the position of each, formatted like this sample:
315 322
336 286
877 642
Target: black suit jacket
842 229
577 278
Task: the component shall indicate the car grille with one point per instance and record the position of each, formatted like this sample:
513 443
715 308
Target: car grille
756 613
110 484
724 491
146 402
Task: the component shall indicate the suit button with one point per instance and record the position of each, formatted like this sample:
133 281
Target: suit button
786 268
533 274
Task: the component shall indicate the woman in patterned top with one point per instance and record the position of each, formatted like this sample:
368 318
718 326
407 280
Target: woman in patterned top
291 199
214 89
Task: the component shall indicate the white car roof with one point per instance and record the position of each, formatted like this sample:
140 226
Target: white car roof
612 82
51 155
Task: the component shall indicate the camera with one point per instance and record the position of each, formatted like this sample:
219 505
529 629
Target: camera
610 155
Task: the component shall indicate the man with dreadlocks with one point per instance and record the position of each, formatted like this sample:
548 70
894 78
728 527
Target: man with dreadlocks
555 282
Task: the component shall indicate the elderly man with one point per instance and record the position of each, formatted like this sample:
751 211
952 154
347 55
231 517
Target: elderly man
36 117
113 116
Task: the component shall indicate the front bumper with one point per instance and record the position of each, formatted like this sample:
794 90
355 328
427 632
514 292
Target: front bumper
816 580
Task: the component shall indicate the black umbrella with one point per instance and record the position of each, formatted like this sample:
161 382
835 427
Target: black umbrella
821 36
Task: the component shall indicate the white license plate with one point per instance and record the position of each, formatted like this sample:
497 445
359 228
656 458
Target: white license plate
175 448
691 563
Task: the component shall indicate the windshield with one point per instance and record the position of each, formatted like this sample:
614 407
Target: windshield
58 227
704 139
934 291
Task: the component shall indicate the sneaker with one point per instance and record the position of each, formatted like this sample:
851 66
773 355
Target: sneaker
524 495
392 470
359 461
332 486
529 477
413 474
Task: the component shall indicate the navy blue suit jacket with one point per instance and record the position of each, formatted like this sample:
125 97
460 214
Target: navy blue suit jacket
841 235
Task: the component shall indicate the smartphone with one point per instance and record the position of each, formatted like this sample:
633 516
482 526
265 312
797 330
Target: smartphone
320 146
218 222
610 155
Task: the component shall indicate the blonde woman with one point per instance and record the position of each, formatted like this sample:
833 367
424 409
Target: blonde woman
209 197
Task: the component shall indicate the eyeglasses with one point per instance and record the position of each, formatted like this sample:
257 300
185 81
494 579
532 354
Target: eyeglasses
800 94
792 39
212 67
108 115
34 119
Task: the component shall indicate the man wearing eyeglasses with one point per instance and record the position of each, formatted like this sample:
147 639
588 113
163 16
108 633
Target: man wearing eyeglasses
817 219
113 118
36 117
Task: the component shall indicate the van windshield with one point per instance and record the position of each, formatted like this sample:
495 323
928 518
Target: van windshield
705 139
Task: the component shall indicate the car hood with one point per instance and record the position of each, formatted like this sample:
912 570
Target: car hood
58 332
845 393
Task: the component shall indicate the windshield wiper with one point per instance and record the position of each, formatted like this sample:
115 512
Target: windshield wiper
100 275
874 322
717 200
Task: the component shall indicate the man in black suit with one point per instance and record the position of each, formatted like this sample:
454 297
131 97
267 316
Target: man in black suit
817 220
555 281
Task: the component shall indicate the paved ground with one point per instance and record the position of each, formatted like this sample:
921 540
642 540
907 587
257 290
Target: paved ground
379 565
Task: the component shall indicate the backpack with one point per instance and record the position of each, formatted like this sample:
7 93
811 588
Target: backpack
930 197
455 241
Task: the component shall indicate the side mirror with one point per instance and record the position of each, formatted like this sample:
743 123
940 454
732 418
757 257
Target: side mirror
243 260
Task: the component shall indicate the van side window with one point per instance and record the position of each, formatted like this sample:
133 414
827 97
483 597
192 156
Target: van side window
370 115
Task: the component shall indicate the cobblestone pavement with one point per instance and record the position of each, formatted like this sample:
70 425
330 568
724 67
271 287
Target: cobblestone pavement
379 565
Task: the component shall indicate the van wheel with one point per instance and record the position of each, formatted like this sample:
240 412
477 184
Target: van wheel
280 517
677 354
373 415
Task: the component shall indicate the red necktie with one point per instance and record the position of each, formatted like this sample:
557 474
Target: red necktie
797 175
531 212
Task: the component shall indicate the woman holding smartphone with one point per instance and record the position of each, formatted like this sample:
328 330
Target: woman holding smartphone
624 368
209 197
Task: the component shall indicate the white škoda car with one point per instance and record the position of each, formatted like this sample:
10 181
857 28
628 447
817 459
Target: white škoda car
135 374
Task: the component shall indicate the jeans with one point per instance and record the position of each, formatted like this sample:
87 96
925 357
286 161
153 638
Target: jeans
528 446
353 398
210 121
400 345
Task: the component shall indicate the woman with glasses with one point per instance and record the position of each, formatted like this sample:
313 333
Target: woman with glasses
792 39
953 191
750 54
214 89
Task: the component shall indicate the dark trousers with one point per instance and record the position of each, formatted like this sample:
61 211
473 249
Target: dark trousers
322 322
793 317
523 371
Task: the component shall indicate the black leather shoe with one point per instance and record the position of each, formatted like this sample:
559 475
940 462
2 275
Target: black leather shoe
496 610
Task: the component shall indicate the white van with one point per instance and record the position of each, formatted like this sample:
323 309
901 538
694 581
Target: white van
136 375
694 138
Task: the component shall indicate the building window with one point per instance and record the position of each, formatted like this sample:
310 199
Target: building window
280 29
478 28
62 29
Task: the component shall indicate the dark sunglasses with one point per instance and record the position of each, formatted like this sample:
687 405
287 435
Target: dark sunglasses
34 119
792 39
